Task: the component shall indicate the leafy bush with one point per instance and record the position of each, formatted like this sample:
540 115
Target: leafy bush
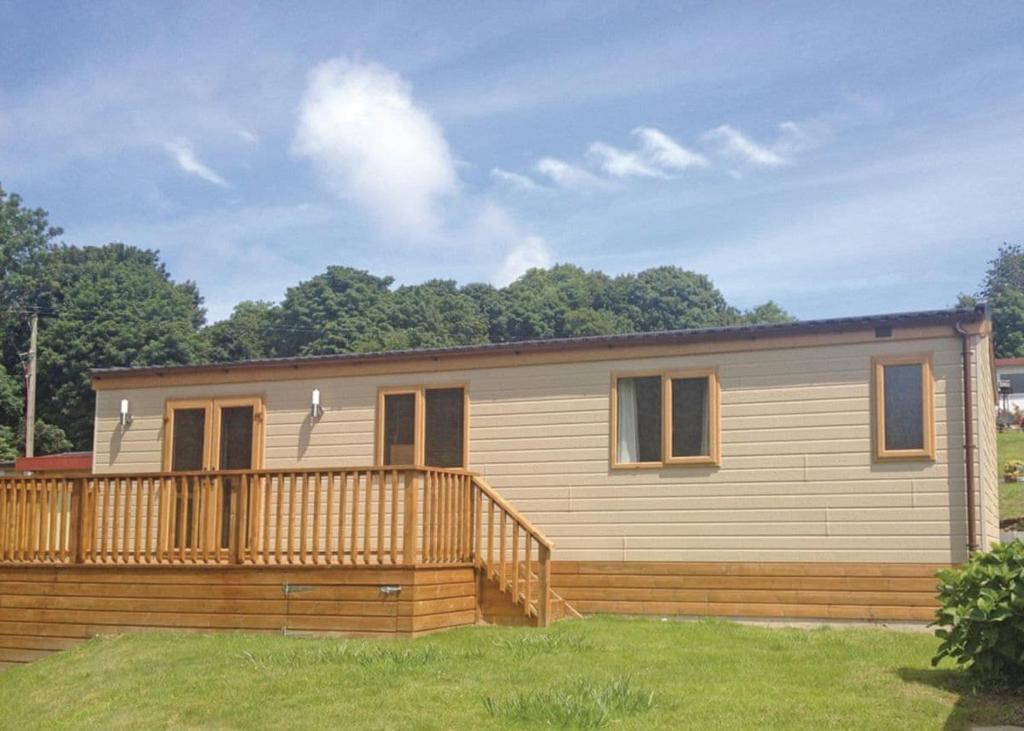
982 616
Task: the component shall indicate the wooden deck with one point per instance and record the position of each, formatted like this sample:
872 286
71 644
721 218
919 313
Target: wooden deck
365 550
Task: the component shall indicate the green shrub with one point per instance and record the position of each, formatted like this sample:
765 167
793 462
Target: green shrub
982 616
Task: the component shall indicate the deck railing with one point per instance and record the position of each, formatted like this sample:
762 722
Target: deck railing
365 516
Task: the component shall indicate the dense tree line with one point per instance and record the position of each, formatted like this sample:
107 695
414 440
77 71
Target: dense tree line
116 305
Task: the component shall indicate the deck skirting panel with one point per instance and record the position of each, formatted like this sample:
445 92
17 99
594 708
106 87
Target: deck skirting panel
781 590
48 608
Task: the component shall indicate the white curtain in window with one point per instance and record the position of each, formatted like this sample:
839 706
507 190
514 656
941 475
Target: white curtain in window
629 435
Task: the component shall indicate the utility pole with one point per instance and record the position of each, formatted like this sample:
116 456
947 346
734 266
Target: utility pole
30 387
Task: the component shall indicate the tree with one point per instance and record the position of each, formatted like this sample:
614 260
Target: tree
670 298
26 242
1003 290
343 310
48 438
435 314
538 304
768 313
249 334
115 306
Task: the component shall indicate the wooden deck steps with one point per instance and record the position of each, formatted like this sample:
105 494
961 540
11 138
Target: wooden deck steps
501 605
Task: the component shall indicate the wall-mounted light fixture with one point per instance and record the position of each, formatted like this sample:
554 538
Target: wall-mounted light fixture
126 418
316 410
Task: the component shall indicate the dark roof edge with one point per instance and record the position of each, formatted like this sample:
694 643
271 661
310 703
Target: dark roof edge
713 334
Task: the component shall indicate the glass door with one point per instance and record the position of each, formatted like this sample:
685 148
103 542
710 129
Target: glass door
210 435
235 448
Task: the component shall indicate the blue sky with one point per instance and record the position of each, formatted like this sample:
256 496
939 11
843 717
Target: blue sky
839 158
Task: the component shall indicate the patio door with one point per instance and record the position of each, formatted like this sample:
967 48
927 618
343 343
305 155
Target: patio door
212 435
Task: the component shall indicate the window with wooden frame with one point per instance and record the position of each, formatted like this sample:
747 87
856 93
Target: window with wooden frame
661 419
423 425
904 408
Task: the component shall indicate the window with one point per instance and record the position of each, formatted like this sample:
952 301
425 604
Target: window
665 419
1016 381
422 426
904 414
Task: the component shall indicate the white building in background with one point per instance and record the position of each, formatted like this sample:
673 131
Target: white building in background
1010 376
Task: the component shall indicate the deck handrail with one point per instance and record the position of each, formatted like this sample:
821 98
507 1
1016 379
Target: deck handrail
336 516
514 569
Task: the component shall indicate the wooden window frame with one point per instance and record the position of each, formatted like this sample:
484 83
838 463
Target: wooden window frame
878 364
713 458
211 440
420 424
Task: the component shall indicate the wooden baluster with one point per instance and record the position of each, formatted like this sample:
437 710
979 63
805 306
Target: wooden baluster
478 514
33 521
278 537
78 507
446 518
428 513
412 482
129 486
217 517
502 573
240 517
139 492
316 518
292 533
50 517
116 527
456 553
164 524
104 498
198 513
439 522
264 504
367 510
5 531
381 514
184 518
354 548
394 516
150 505
303 522
529 572
490 536
202 515
342 492
543 586
329 521
515 561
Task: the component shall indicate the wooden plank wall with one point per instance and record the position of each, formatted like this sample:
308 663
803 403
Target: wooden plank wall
45 608
814 591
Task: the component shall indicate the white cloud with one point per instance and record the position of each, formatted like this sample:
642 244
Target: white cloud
568 175
248 135
515 180
532 252
372 144
662 150
621 163
186 158
734 143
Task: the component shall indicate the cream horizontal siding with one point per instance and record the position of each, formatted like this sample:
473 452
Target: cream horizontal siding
797 481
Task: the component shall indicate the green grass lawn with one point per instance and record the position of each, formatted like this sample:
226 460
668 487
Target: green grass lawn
599 672
1011 495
